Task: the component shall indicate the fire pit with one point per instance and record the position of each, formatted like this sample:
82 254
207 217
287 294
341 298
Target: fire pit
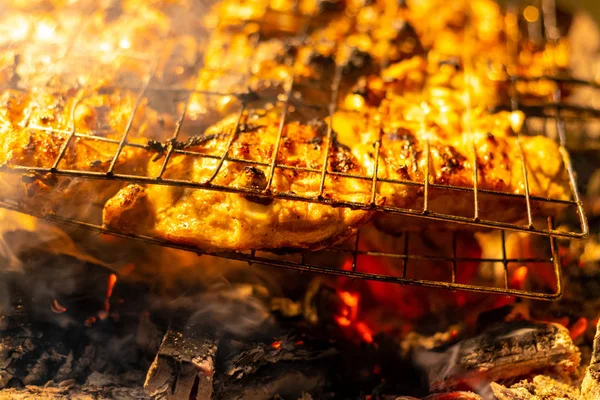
412 171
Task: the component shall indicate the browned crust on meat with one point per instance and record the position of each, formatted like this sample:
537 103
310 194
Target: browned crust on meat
215 221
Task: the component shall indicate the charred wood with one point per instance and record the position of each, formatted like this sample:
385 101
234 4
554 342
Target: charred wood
506 351
590 387
183 367
55 327
540 388
287 367
250 360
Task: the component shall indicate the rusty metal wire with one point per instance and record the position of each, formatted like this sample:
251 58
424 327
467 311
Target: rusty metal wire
573 205
558 112
405 264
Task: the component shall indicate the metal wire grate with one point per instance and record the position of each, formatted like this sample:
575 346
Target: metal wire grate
403 262
553 112
553 119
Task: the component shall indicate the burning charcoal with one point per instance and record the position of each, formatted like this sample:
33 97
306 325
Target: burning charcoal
590 387
35 350
287 367
541 387
415 340
183 367
502 352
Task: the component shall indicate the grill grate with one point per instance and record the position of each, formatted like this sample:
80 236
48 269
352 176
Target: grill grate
550 113
554 118
404 260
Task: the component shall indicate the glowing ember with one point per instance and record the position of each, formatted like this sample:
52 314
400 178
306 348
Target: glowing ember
57 307
518 278
127 269
276 344
112 279
348 317
102 315
578 328
365 332
90 321
350 299
342 321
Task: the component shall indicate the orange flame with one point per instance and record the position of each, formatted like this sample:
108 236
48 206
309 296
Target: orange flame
365 332
578 328
112 280
342 321
350 299
348 317
276 344
518 278
57 307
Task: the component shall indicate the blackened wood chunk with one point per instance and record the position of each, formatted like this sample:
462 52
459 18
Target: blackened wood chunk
506 351
258 355
541 387
590 387
287 367
183 367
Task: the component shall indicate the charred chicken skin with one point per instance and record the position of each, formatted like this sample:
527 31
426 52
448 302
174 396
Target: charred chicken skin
25 140
214 220
418 78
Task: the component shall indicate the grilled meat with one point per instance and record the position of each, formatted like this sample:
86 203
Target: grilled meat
406 70
491 144
214 220
25 140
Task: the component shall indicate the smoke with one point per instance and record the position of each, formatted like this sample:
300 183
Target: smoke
236 311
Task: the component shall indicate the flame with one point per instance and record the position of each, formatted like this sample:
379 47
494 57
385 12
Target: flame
276 344
57 308
578 328
112 280
342 321
365 332
45 31
350 299
124 44
349 316
518 278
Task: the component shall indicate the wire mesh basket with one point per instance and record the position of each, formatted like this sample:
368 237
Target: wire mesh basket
149 83
163 73
451 261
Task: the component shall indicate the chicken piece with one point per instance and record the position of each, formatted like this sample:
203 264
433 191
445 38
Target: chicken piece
403 158
25 141
217 220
